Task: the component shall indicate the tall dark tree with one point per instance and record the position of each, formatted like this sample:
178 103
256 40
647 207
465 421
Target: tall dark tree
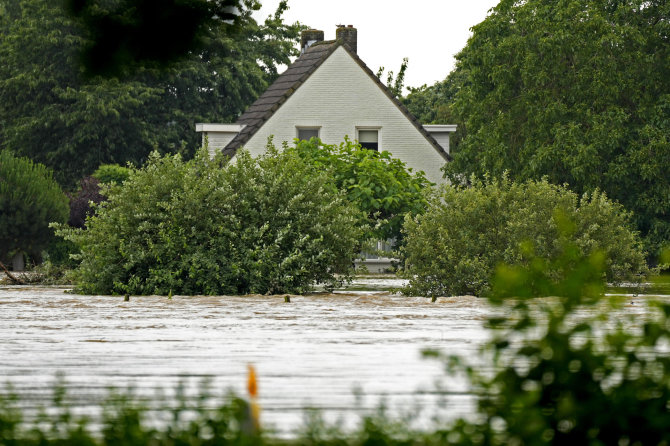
53 113
575 90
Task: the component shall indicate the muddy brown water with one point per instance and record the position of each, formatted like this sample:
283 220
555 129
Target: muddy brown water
314 352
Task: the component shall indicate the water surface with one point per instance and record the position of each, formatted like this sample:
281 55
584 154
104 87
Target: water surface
312 352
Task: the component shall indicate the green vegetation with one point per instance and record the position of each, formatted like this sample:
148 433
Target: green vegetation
455 246
433 104
29 200
565 370
382 187
576 91
53 114
560 370
396 84
267 225
111 174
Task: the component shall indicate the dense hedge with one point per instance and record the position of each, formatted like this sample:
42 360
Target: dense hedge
454 248
267 225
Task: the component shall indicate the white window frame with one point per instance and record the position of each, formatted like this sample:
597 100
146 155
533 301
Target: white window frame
298 128
378 128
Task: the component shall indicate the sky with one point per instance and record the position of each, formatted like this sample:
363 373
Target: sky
428 32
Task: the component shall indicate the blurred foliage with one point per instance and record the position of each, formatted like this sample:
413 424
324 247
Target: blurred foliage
126 420
576 91
127 35
53 113
57 260
29 200
382 187
267 225
565 370
455 246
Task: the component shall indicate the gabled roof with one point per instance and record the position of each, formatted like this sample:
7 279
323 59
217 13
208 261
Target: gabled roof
291 79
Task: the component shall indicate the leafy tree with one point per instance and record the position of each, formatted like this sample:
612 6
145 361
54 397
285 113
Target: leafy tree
111 174
267 225
52 113
576 91
382 187
433 105
455 246
29 200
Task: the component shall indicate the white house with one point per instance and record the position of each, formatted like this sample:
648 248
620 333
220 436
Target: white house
330 93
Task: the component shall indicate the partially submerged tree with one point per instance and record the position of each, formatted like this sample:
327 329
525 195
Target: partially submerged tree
267 225
30 199
455 246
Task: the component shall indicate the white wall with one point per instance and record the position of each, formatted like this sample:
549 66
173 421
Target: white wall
338 98
217 136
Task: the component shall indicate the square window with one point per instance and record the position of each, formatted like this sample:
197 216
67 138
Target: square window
307 133
369 138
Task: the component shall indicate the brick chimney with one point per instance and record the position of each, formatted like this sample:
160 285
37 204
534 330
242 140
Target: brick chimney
348 36
310 37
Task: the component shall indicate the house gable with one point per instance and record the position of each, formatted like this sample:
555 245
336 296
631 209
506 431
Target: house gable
340 98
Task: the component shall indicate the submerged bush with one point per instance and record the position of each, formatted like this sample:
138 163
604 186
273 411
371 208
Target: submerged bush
455 246
267 225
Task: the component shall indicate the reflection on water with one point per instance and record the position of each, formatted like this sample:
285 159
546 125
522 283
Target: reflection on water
312 352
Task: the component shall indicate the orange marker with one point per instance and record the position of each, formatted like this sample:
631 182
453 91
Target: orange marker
252 387
251 382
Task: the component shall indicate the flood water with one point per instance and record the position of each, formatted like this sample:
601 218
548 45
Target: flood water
315 351
312 352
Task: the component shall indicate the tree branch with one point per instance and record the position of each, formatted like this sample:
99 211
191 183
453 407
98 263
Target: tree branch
11 277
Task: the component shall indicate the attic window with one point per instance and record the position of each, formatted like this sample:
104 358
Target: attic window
307 133
369 138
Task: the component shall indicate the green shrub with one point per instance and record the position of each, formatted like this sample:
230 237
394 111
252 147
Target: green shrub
267 225
381 186
127 420
111 174
29 200
455 246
